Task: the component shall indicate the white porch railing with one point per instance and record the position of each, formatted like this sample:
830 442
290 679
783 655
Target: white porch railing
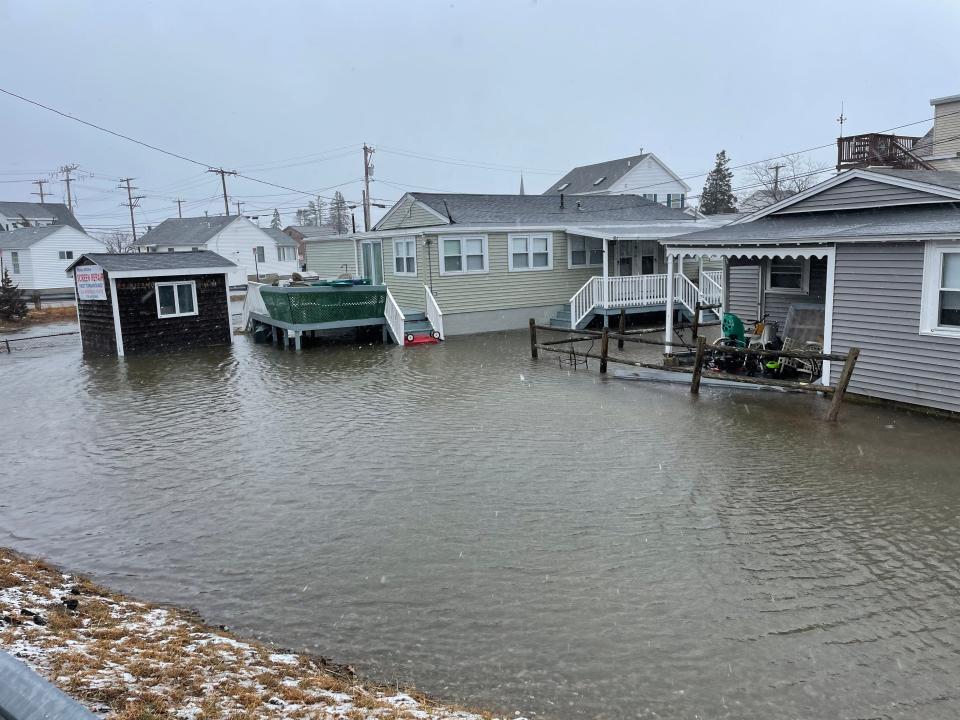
642 290
711 287
586 299
394 317
685 291
252 302
434 313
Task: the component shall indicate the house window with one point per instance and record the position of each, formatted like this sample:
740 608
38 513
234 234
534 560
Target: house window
531 252
650 196
940 311
66 254
788 275
286 254
15 260
463 254
261 253
585 252
675 200
176 299
405 256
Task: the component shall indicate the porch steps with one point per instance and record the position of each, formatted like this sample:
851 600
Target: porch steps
561 319
415 324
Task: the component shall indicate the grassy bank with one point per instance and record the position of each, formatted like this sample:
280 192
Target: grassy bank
65 313
131 660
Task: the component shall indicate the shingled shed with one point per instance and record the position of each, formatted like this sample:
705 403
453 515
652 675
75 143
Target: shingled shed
152 302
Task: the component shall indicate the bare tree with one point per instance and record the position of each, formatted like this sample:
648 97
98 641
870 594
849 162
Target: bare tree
786 176
117 241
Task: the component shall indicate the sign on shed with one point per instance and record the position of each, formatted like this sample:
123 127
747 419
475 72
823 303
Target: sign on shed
89 280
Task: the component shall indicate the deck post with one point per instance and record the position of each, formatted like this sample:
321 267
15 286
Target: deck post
604 348
668 327
623 327
696 321
842 383
698 365
605 295
533 339
296 339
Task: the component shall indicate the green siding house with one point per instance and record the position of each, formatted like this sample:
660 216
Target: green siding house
478 263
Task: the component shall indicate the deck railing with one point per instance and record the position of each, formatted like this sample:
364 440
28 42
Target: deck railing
711 287
586 299
433 311
631 290
394 317
685 292
896 151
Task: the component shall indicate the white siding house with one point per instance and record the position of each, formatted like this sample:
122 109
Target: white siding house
37 257
645 175
253 250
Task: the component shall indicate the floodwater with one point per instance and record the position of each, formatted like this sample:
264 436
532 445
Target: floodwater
503 532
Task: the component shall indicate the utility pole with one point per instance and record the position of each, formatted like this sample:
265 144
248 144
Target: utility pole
66 170
179 207
223 181
776 181
238 203
132 202
40 184
367 174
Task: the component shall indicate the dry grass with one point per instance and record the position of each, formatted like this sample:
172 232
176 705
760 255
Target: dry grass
67 313
134 661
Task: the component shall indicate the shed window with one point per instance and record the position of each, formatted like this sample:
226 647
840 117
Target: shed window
465 254
940 312
405 256
585 252
15 260
66 254
531 252
261 253
787 275
175 299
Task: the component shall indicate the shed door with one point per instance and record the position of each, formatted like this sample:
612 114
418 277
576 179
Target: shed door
744 292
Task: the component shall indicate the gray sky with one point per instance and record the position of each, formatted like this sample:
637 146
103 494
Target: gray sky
287 91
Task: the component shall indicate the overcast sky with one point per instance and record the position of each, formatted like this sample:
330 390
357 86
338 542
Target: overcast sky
288 91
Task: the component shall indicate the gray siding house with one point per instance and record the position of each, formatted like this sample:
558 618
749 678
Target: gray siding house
880 250
481 263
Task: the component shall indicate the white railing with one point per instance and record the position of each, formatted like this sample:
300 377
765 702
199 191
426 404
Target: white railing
633 290
252 302
434 313
394 316
686 291
711 287
586 299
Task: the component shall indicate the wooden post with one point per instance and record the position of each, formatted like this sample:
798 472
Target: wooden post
604 347
696 321
7 343
842 383
533 339
698 365
623 327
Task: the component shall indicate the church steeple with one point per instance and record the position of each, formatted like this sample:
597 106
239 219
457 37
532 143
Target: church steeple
521 184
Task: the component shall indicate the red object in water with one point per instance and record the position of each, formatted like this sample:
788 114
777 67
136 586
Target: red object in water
422 340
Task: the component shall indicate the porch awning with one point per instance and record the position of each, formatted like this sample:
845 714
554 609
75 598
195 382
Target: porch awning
751 252
647 231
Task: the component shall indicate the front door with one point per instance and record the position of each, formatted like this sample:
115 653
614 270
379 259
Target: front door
626 251
372 254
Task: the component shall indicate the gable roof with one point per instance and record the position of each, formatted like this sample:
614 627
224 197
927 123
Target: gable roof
583 179
310 231
469 209
55 212
125 262
186 231
280 237
943 184
22 238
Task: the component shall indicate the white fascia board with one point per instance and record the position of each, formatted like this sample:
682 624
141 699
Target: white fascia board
170 272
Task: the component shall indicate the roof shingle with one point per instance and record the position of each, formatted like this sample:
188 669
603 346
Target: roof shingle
155 261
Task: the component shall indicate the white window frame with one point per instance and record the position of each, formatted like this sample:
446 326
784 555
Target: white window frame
530 237
676 200
15 261
650 196
804 288
463 255
65 254
586 245
406 239
260 253
176 298
930 294
283 251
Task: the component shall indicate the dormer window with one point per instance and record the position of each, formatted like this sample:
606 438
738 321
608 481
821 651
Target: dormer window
563 187
599 180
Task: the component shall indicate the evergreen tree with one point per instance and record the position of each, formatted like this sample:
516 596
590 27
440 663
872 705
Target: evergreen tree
275 221
321 212
312 213
12 306
717 196
339 213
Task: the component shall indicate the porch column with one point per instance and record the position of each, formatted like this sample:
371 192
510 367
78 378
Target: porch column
668 333
828 313
605 294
